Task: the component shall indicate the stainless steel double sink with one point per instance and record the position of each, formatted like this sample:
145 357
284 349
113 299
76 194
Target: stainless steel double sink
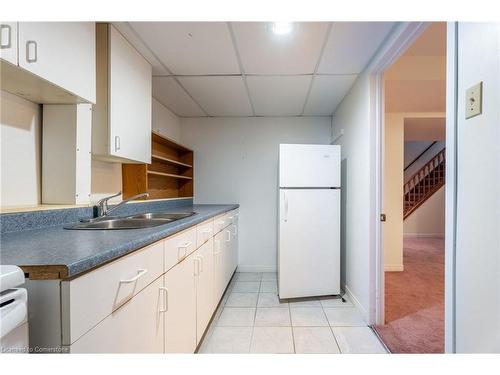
137 221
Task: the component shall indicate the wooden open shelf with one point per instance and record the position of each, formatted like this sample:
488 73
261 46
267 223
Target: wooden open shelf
170 174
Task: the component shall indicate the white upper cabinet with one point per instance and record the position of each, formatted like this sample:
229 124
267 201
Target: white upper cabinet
62 53
8 42
49 62
121 126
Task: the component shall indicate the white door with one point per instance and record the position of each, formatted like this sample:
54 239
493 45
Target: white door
309 165
136 327
309 242
219 265
180 317
205 305
8 42
62 53
129 101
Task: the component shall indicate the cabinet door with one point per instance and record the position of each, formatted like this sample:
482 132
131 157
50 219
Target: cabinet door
63 53
136 327
129 100
219 265
8 42
205 305
180 317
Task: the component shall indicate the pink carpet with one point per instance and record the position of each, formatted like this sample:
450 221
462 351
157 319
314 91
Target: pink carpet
414 300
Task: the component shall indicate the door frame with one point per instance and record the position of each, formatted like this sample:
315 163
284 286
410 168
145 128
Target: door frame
403 35
400 39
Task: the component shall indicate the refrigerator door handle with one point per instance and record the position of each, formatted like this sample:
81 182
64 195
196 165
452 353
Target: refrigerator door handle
286 206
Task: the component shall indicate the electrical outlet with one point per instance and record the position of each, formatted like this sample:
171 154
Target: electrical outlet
474 100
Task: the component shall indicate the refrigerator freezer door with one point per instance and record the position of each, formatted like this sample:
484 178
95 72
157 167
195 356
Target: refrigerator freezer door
309 243
309 166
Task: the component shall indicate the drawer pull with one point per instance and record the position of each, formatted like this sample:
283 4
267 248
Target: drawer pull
165 300
206 231
228 236
220 222
185 245
235 230
140 273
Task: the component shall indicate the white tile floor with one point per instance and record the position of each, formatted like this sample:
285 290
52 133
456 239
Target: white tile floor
251 319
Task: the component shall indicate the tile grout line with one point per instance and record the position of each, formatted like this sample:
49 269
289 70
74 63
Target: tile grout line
331 328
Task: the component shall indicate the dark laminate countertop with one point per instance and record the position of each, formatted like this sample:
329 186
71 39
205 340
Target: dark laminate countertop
60 253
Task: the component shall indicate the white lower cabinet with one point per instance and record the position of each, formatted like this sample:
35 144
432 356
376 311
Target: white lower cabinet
151 301
136 327
180 317
205 302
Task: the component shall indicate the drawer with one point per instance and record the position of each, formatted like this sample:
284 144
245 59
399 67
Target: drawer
204 232
230 217
90 298
219 223
136 327
179 246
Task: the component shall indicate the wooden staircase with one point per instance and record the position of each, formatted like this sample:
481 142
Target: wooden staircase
423 184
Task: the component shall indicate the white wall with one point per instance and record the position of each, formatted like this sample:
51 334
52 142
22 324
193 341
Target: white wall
353 115
236 161
20 163
428 219
478 200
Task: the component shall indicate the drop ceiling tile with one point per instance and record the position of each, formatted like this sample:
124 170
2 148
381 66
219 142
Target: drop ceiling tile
168 92
129 33
278 95
263 52
327 92
219 95
186 48
351 45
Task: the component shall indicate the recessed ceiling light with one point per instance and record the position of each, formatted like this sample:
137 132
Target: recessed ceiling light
282 28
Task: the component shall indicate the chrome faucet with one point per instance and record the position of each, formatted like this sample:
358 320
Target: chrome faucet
102 206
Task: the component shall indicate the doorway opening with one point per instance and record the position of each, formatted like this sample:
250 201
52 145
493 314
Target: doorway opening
413 196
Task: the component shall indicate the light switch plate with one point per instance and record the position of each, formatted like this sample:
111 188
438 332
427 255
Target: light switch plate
474 100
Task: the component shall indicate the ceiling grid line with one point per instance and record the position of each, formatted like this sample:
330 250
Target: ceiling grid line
240 64
325 41
168 70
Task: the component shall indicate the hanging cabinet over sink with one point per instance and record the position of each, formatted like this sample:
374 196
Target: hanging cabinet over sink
121 122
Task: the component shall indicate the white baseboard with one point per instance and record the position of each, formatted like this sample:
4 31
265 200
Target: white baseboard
357 303
394 268
423 235
245 268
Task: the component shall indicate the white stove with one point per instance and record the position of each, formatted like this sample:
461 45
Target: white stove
13 311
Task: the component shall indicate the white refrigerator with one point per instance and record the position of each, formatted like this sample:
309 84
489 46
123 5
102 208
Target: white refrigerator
309 221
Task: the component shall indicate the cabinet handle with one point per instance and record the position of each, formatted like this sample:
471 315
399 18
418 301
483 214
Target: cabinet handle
235 230
286 206
9 31
216 252
29 44
201 262
140 273
196 266
117 142
165 301
228 236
